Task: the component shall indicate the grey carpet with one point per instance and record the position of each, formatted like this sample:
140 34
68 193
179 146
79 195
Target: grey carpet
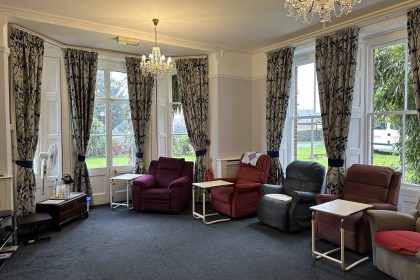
127 245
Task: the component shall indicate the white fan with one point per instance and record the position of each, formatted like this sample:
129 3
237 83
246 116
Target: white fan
48 161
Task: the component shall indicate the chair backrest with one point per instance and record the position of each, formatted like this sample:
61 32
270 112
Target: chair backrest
372 184
167 170
306 176
248 173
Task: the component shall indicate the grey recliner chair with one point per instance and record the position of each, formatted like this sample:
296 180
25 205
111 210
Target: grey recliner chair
286 207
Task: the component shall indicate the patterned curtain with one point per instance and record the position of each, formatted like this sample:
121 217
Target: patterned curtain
193 85
81 69
140 92
279 72
335 66
27 55
413 29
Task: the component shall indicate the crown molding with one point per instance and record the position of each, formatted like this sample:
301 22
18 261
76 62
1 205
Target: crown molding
363 19
103 28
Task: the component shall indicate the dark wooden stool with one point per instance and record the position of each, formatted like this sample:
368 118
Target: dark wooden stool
34 223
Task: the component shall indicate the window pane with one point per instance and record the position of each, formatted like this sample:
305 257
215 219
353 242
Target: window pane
389 78
119 87
386 146
305 78
96 154
100 84
412 148
178 122
310 142
182 148
121 119
98 122
122 150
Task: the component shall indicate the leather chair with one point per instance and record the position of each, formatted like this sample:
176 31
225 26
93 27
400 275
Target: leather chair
286 207
241 199
166 187
375 185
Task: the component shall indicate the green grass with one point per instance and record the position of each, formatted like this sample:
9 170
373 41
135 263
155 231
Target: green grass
100 162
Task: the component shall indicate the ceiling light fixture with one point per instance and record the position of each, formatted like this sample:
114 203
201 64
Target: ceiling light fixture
306 9
155 64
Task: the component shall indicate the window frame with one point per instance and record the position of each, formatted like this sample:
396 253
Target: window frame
109 66
379 41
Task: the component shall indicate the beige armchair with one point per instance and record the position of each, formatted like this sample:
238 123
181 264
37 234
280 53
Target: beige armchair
399 266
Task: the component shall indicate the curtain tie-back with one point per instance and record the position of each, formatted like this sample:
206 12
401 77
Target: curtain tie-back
81 158
335 162
273 154
139 155
25 163
200 153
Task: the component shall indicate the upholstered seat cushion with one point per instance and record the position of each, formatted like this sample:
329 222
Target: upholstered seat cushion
279 196
399 241
223 194
156 193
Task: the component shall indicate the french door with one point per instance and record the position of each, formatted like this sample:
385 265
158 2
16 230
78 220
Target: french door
111 142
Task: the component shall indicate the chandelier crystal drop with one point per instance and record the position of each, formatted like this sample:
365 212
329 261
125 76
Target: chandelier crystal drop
306 9
156 64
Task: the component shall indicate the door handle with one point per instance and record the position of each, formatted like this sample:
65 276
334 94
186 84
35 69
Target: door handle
115 172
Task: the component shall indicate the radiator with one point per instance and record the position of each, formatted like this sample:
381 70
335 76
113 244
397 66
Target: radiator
227 168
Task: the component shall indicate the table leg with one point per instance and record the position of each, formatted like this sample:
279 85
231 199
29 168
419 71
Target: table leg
111 182
313 233
128 195
193 201
204 205
343 263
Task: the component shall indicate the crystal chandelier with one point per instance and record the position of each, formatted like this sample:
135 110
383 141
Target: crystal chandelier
156 63
306 9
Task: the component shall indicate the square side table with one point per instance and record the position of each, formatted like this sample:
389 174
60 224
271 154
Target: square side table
343 209
128 178
207 186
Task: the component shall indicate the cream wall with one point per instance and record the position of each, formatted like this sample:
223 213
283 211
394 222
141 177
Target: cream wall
230 104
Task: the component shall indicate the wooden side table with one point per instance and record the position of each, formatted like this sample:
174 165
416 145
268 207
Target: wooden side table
63 210
343 209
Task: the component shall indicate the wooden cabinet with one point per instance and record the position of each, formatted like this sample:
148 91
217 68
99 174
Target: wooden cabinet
64 210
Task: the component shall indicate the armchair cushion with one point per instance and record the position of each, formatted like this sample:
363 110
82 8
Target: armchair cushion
399 241
279 196
156 194
322 198
171 163
248 187
267 189
384 206
223 194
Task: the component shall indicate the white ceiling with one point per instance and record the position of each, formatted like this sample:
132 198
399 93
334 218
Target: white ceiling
245 25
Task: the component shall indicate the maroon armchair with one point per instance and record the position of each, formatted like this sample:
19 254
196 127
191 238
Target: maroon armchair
241 199
166 187
375 185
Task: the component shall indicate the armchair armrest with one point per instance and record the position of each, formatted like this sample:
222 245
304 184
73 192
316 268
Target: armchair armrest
248 187
267 189
184 181
304 196
145 181
381 220
384 206
322 198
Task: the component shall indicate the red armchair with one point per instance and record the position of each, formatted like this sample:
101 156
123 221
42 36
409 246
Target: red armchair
375 185
241 199
166 187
